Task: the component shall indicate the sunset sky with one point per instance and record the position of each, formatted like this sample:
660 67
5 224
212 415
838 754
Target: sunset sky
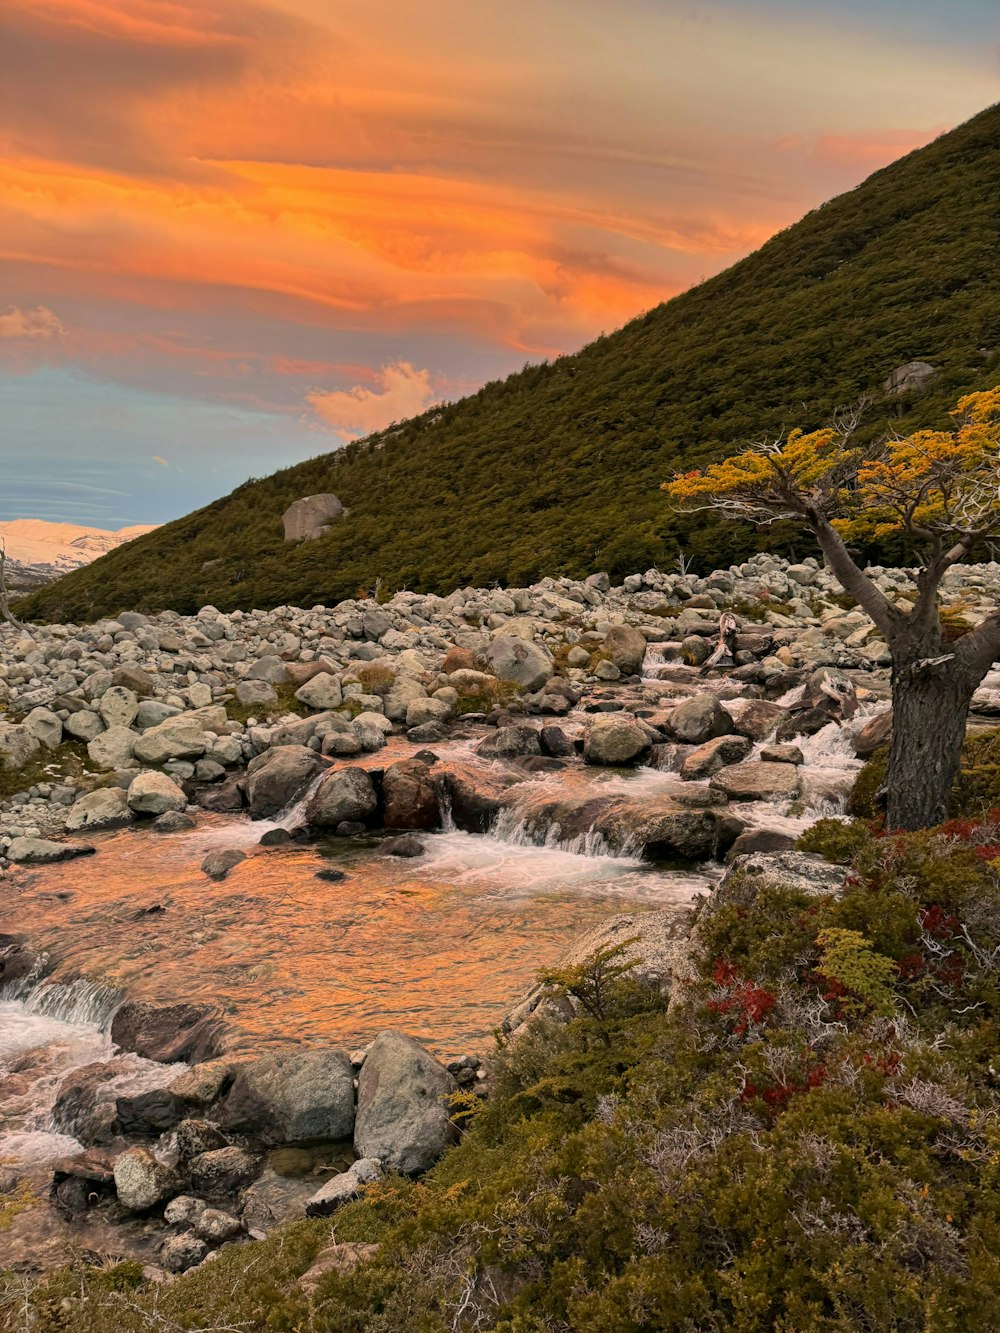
236 233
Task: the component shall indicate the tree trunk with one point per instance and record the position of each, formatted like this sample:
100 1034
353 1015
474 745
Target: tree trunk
930 705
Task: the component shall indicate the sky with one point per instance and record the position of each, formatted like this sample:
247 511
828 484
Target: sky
238 233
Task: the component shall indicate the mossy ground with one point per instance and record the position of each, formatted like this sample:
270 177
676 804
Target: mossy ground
69 760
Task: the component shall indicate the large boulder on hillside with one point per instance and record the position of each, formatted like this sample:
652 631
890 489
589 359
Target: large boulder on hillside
614 739
306 519
345 794
909 378
292 1097
106 808
758 780
167 1032
17 746
155 794
700 719
410 796
626 647
178 737
280 776
403 1120
526 664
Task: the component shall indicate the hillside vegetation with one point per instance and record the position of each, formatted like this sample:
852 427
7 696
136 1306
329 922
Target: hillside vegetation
556 469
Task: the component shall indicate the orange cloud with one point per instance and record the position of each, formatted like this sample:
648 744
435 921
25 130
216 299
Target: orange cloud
30 324
403 392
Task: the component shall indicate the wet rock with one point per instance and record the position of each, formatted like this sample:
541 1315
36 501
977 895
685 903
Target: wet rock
278 777
148 1113
216 1226
759 840
873 734
410 796
155 794
179 1253
331 876
173 821
167 1033
477 798
203 1083
555 743
715 754
274 1198
195 1137
805 721
218 864
402 1118
406 846
344 794
343 1187
756 718
292 1097
223 1170
141 1181
700 719
84 1106
42 852
184 1211
758 780
228 798
510 743
615 739
782 754
106 808
626 648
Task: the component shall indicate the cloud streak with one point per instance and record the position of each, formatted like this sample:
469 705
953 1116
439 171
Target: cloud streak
401 392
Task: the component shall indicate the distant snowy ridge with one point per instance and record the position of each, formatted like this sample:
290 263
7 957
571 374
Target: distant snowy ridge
38 551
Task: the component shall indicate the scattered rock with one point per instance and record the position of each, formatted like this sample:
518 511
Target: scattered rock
293 1097
402 1119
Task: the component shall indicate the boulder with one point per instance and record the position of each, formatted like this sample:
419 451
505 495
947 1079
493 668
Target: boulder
909 378
756 718
510 743
217 1226
309 518
269 668
42 852
177 738
141 1181
410 796
344 795
713 755
167 1033
700 719
758 780
614 738
403 1119
321 693
626 648
196 1136
45 727
147 1113
105 808
184 1210
255 693
83 726
223 1170
278 777
113 748
155 794
873 734
84 1105
406 845
118 707
17 746
518 660
753 840
173 822
179 1253
133 678
292 1097
802 872
218 864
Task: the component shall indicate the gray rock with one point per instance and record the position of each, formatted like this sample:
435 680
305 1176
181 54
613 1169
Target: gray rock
42 852
113 748
321 693
277 778
269 668
292 1097
343 1187
758 780
179 1253
309 518
518 660
252 693
626 648
344 795
614 738
45 727
141 1181
510 743
223 1169
83 725
909 378
403 1120
802 872
105 808
17 746
155 794
715 754
178 737
218 864
173 822
184 1210
118 707
216 1226
700 719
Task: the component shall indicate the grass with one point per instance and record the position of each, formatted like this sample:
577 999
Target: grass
70 760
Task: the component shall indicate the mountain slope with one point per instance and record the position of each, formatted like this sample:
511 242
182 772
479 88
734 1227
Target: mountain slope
557 468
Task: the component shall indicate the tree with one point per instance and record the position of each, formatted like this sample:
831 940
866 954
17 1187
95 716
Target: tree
941 491
5 612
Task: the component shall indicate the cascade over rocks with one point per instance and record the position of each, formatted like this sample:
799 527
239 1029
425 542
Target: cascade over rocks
278 777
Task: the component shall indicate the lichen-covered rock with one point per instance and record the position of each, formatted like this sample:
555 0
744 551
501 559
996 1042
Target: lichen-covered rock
613 739
344 795
403 1119
292 1097
141 1181
154 794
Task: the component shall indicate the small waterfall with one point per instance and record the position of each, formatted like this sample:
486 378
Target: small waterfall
512 828
294 815
82 1002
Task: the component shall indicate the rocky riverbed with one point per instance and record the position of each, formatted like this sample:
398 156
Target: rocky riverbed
269 879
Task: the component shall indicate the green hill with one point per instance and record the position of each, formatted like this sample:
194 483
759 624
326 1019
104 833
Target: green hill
557 469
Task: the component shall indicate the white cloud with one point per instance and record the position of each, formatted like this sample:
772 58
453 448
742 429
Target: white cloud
403 392
37 323
162 461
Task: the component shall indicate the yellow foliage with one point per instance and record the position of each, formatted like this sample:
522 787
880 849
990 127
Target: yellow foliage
927 483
